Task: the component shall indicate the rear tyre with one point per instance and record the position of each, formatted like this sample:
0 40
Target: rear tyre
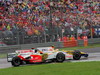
16 61
60 57
76 55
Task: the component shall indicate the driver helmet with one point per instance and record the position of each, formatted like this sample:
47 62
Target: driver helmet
53 46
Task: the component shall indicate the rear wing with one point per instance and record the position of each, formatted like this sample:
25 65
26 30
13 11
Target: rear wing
10 56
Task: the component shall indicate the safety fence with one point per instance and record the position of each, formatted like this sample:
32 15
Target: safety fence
12 48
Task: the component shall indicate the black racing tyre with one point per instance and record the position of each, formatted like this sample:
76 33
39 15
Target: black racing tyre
60 57
16 61
76 55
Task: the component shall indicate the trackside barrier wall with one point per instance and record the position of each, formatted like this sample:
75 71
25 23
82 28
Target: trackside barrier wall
71 43
94 41
35 45
9 49
90 41
12 48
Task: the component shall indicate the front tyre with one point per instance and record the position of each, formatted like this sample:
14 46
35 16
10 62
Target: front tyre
60 57
16 61
76 55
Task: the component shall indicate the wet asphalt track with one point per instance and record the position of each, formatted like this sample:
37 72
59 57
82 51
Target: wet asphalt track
94 55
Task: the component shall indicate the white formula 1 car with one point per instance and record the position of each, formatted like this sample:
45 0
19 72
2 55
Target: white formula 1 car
42 54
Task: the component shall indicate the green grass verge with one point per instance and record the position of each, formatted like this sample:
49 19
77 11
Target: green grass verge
67 68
